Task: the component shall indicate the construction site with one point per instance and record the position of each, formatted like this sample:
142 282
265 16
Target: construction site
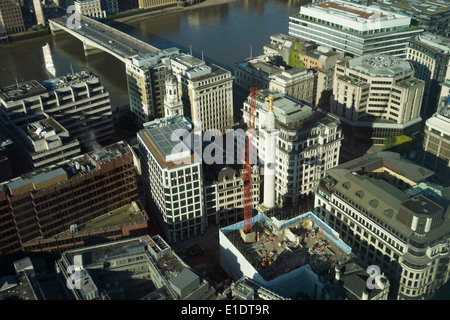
282 249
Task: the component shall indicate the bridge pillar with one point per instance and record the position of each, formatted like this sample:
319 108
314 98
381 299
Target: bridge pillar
54 28
89 49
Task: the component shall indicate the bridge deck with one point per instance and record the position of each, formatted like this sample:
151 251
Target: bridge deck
105 37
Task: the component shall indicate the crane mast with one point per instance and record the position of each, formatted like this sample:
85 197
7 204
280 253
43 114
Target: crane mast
247 164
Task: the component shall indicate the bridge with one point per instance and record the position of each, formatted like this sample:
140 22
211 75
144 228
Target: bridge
97 37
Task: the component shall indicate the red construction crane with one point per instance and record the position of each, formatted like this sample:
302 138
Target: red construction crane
247 166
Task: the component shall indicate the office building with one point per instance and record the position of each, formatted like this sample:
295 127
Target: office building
256 72
146 76
353 29
431 15
206 91
430 56
140 268
172 176
308 143
90 8
224 193
436 142
144 4
110 6
47 202
11 18
39 11
388 210
78 102
321 60
270 72
377 96
44 142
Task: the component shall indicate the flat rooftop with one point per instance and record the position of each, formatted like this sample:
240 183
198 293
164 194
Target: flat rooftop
340 7
379 65
368 182
421 7
352 13
170 152
69 80
70 169
437 43
292 114
21 91
43 129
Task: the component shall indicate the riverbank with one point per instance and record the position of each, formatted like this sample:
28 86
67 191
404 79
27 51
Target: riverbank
170 10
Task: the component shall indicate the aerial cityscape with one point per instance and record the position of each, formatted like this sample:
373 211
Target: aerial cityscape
224 150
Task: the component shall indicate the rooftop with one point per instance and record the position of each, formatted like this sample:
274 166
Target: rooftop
21 91
64 171
369 183
292 114
102 259
69 80
429 7
379 65
361 17
437 43
43 129
163 138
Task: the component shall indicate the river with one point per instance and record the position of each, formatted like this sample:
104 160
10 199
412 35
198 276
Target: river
225 34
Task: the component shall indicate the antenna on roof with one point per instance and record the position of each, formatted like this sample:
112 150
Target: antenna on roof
71 69
202 55
251 51
17 83
190 49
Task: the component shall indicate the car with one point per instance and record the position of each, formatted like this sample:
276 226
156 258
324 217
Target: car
110 41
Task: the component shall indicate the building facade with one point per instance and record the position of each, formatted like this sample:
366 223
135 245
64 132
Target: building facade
377 96
11 16
224 194
353 29
45 142
430 56
144 4
394 219
78 102
321 60
436 142
146 75
206 91
172 176
44 203
308 143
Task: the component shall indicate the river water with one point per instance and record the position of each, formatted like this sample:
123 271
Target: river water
224 33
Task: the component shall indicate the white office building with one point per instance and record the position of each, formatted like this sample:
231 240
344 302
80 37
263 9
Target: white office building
308 143
172 176
352 28
206 90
